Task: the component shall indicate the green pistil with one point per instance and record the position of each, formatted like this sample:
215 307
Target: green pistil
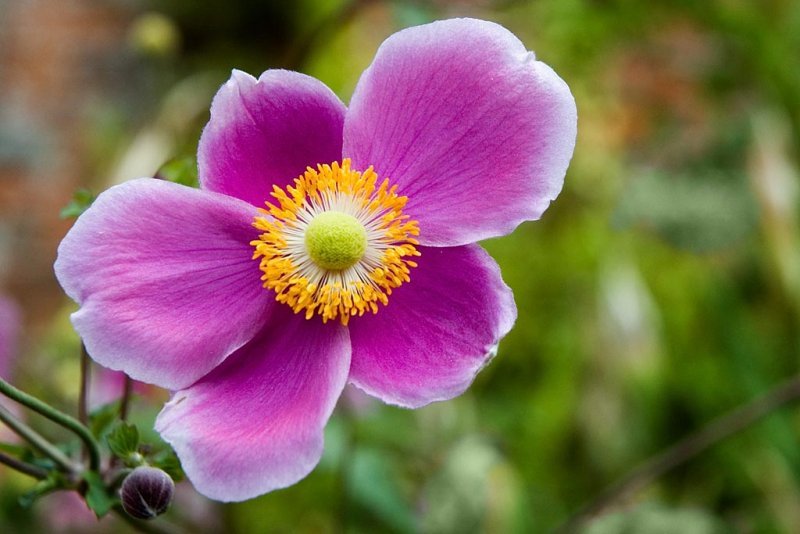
335 240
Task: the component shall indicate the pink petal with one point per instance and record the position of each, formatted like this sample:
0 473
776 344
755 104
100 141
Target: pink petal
165 280
266 132
108 386
255 424
10 325
475 131
438 330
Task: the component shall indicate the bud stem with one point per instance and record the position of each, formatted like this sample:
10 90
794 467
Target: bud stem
23 467
36 440
57 417
83 394
124 404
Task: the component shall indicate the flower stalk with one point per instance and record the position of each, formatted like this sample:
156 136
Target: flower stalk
58 417
125 403
83 394
37 441
23 467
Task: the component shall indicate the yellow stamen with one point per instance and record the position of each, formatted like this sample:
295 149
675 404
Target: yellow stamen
357 279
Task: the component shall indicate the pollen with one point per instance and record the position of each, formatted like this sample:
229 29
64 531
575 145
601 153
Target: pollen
335 243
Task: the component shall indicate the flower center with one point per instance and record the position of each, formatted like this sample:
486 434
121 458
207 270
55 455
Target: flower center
335 240
335 243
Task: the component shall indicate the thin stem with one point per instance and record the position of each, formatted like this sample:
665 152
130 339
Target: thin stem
124 408
36 440
124 404
83 394
719 429
58 417
23 467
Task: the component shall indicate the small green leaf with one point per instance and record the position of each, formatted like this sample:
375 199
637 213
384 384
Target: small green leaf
14 450
53 482
123 440
180 170
372 483
101 419
97 497
168 462
81 200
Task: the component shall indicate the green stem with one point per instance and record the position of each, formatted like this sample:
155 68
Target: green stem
83 394
23 467
57 417
125 403
36 440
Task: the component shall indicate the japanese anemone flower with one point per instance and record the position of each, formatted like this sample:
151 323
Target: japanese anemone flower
361 266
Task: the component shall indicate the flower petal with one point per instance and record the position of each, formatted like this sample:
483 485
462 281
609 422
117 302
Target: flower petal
266 132
165 280
438 330
10 325
475 131
255 424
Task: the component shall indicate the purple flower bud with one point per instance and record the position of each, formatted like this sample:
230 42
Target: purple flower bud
146 492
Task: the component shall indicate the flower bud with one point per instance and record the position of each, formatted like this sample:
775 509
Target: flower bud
146 492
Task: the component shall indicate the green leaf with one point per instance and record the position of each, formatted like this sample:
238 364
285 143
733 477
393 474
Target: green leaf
53 482
180 170
101 419
13 449
168 462
97 497
81 200
372 483
123 440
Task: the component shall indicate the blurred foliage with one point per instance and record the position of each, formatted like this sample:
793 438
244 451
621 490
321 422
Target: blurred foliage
653 520
80 202
661 288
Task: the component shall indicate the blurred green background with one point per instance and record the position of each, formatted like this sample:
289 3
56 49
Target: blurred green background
660 290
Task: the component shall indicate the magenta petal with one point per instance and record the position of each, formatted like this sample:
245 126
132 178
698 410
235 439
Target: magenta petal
438 330
255 424
266 132
165 280
475 131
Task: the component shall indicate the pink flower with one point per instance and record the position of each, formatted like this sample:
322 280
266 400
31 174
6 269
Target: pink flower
389 292
10 326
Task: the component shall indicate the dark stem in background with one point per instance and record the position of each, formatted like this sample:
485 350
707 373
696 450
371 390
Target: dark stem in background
23 467
124 408
719 429
83 394
37 441
125 403
58 417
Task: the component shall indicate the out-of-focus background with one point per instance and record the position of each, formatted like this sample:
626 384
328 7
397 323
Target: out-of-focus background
660 290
